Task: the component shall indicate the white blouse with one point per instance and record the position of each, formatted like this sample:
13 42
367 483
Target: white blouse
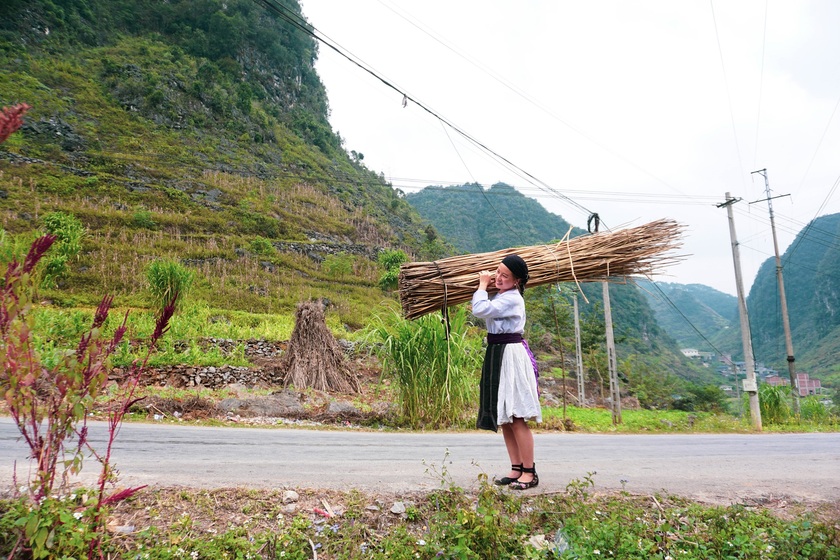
504 313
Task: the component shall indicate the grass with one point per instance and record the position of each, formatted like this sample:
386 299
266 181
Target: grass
643 421
453 523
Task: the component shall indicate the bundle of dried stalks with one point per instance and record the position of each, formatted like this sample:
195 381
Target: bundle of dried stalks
314 358
430 286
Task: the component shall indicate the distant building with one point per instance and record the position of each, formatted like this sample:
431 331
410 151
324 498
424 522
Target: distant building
804 384
807 386
690 352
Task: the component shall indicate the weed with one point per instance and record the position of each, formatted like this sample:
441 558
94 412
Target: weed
578 488
51 405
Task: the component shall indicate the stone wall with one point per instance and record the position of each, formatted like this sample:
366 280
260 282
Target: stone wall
265 353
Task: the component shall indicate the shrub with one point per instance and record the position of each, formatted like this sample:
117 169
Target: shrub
811 409
49 400
69 232
143 219
262 246
390 260
338 266
774 403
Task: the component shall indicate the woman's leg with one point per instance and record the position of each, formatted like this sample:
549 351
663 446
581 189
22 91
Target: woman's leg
512 448
523 441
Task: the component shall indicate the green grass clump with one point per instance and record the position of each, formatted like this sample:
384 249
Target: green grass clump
435 372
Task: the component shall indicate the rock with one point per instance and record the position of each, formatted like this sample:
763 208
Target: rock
279 405
398 508
290 496
339 408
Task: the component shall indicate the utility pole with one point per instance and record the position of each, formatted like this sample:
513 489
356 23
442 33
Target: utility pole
750 385
615 390
580 382
794 392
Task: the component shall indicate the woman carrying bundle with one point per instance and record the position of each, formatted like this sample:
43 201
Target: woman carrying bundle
509 396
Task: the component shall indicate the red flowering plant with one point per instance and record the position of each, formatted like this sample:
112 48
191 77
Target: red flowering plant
11 119
50 406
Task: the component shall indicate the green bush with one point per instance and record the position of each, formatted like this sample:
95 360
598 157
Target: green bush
69 232
390 260
812 410
338 266
143 219
262 246
774 403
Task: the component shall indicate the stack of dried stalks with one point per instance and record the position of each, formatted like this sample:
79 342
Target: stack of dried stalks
314 358
430 286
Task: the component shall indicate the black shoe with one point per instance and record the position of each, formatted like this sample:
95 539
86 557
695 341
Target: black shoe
516 485
506 480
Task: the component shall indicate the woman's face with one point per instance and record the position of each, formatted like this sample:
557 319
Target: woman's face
505 280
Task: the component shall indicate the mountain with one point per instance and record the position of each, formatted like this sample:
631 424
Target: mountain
473 218
195 131
476 220
811 275
695 315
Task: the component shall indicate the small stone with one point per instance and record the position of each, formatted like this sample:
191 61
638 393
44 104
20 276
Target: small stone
398 508
290 496
289 508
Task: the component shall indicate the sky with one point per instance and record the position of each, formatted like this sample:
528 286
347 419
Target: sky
635 110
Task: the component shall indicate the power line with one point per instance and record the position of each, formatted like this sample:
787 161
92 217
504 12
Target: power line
294 19
726 86
524 95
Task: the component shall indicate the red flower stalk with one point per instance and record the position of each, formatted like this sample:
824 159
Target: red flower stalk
102 311
99 319
122 495
162 324
11 120
36 252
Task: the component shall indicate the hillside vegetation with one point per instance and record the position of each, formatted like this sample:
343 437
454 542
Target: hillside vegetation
811 274
198 132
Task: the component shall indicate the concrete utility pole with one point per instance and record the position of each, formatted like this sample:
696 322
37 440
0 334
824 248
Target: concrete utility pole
580 382
615 389
794 392
750 385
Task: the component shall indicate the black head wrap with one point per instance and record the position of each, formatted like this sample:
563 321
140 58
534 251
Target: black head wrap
518 268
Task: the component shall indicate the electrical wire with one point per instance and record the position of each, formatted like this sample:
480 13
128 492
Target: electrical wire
726 85
294 19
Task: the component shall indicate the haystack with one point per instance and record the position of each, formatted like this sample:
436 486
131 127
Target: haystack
314 359
431 286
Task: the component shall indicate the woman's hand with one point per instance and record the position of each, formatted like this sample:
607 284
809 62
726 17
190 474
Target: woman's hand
484 278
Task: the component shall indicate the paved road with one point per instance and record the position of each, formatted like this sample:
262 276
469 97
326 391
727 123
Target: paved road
712 468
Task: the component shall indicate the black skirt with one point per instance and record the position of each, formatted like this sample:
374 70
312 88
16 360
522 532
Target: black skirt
489 388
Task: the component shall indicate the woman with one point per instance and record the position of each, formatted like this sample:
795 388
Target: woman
509 396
